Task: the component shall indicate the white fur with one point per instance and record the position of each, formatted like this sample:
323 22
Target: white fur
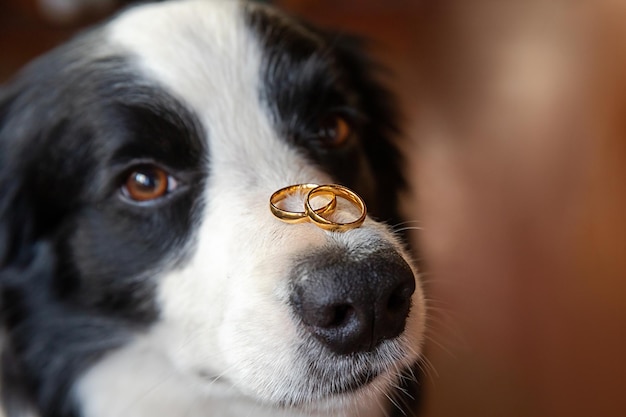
224 313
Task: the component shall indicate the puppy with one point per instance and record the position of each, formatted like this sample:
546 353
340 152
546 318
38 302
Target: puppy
142 273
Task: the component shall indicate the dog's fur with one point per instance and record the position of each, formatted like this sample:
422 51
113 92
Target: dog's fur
183 306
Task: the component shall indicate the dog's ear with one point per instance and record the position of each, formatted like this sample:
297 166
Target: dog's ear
6 188
15 214
15 260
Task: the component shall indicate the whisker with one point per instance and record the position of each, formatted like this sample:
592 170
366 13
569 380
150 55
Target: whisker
404 229
406 222
380 405
394 401
430 367
440 346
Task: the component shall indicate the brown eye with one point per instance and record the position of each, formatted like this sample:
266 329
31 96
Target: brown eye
146 183
335 131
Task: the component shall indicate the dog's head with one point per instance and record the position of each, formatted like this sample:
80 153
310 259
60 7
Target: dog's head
136 165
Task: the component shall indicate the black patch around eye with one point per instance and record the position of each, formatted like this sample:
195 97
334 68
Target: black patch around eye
92 123
120 246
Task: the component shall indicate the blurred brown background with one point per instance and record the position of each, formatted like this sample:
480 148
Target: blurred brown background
516 137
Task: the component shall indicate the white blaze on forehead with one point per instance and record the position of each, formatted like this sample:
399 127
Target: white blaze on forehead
194 49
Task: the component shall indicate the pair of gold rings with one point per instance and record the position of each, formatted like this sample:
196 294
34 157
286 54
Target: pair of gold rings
318 215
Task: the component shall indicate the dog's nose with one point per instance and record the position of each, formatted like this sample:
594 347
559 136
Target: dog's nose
353 305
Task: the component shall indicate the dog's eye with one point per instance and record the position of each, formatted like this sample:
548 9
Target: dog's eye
147 182
334 131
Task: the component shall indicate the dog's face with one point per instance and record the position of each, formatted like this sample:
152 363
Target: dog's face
136 243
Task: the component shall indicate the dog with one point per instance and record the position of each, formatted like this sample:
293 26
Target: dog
142 273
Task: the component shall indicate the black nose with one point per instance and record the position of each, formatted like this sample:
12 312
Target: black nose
352 305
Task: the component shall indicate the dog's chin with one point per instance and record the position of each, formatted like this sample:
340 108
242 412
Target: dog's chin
325 393
312 397
337 396
332 374
323 381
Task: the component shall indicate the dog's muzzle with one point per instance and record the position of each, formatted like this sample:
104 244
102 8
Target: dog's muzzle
349 305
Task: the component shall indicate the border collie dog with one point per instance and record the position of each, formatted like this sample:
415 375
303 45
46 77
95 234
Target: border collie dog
142 273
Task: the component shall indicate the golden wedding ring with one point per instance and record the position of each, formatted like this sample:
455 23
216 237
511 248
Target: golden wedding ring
317 215
338 191
299 216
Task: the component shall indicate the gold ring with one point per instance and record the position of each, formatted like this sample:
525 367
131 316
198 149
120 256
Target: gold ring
338 191
298 216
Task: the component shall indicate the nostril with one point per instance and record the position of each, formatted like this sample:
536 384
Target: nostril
340 315
330 316
400 298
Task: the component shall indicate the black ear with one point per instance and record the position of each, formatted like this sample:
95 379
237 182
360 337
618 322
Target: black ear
7 189
15 212
20 260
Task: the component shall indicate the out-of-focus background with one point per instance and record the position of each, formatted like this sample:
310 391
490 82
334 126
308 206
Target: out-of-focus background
516 140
